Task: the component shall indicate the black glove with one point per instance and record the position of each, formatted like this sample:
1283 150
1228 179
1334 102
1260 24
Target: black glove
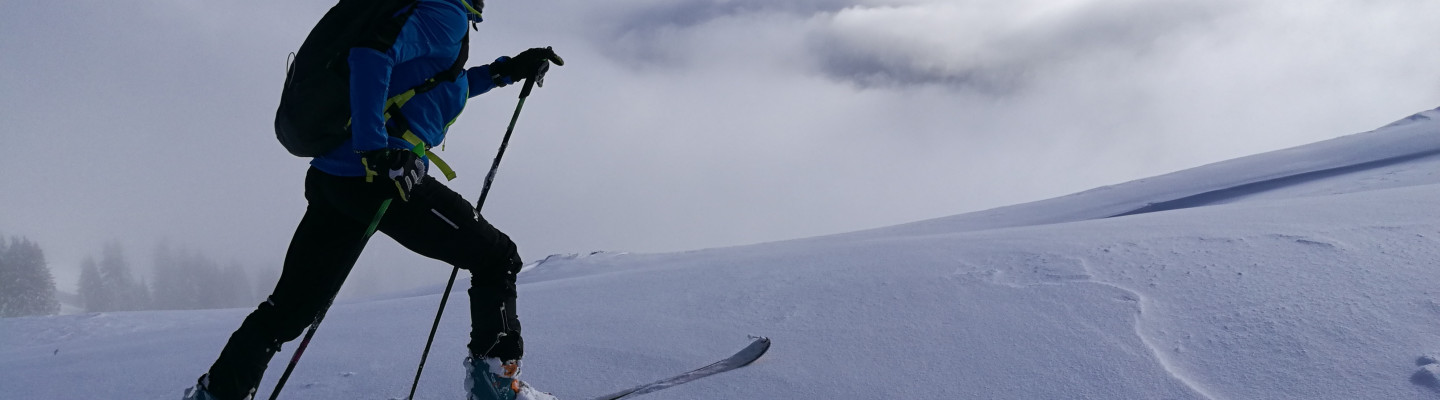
402 167
526 65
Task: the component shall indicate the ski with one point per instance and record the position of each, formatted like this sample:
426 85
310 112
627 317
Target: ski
742 358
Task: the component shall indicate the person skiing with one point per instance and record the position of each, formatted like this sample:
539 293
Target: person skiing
346 186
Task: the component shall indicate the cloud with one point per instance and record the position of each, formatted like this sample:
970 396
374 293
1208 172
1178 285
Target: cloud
695 13
679 125
986 46
694 34
993 46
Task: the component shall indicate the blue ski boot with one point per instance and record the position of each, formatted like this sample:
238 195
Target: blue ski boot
491 379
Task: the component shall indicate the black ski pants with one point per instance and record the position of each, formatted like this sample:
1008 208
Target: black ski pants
435 223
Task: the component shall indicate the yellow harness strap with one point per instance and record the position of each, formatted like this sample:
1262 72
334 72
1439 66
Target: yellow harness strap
420 148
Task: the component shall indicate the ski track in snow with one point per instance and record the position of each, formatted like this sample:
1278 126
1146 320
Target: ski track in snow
1044 272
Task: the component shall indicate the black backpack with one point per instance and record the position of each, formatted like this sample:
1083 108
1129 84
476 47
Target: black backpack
314 113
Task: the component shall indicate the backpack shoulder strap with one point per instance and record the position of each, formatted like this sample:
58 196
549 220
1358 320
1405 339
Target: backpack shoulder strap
385 29
402 125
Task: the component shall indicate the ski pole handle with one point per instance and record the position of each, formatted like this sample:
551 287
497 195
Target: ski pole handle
537 80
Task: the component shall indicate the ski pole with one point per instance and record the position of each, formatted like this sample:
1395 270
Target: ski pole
374 224
484 191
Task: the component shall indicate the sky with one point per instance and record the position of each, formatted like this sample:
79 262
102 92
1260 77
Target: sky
680 125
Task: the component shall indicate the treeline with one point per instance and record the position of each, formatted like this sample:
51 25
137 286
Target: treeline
26 286
181 280
178 279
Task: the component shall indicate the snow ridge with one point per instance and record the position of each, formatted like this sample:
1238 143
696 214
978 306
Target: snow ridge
1417 117
1234 192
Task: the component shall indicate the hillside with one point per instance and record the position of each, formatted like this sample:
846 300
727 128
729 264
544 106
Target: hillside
1304 273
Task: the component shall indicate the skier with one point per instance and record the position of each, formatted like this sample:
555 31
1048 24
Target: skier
346 187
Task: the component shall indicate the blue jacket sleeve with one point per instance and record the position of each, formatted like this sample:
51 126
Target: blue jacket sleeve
369 85
431 30
480 81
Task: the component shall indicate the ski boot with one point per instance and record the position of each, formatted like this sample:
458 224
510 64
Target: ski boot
198 392
489 378
201 391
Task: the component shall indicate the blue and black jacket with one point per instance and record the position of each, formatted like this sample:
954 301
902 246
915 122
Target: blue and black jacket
427 45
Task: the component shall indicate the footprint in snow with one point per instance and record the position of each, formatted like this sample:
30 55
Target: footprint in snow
1429 373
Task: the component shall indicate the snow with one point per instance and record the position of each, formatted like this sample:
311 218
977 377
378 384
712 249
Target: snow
1304 273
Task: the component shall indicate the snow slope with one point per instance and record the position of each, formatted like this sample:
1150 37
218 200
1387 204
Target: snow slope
1299 274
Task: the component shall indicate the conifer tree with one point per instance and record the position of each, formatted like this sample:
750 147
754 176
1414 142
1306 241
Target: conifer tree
108 285
94 294
26 286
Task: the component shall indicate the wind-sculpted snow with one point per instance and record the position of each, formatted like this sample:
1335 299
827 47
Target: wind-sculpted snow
1315 297
1245 312
1320 286
1047 269
1364 161
1429 157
